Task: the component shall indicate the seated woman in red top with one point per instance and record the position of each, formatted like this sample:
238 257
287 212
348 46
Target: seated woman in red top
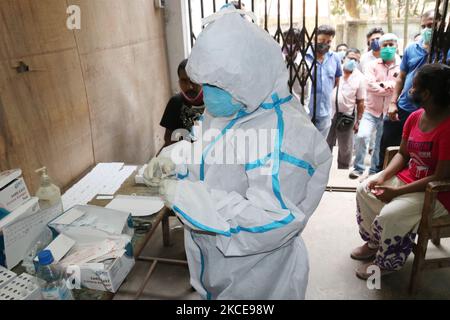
389 206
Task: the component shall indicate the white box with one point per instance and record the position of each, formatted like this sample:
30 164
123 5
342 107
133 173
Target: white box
106 276
98 221
13 191
27 209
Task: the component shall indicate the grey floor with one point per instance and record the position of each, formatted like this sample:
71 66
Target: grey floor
330 235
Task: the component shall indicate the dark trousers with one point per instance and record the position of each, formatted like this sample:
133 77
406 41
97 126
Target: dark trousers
392 134
345 143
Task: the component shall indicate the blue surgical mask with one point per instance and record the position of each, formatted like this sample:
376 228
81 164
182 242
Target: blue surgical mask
341 55
219 102
350 65
426 35
375 45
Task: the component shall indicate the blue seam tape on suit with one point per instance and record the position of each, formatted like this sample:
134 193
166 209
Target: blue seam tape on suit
202 270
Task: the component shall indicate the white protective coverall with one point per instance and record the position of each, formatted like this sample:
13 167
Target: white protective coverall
243 220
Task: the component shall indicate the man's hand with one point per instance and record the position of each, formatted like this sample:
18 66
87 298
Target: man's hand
385 193
393 112
356 127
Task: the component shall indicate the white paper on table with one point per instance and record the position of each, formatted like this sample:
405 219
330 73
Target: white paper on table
137 205
89 253
104 179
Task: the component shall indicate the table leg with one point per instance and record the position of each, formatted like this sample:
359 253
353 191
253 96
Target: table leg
147 277
166 229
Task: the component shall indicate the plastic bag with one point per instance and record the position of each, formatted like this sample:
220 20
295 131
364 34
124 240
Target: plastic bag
40 243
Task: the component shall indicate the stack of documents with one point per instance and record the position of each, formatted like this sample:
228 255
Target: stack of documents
136 205
105 179
97 221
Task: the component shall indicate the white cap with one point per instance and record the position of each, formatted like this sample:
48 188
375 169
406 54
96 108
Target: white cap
388 37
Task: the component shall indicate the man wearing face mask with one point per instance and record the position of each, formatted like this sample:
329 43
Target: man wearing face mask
373 44
347 99
184 108
329 71
381 78
401 106
341 50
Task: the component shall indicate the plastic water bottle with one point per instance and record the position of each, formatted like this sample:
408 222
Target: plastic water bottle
54 286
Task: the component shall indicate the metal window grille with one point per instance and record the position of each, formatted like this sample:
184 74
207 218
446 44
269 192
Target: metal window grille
440 43
296 34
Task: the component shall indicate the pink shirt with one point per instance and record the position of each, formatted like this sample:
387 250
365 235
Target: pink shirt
350 90
425 149
380 80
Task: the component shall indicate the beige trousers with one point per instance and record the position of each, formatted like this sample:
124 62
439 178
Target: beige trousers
391 227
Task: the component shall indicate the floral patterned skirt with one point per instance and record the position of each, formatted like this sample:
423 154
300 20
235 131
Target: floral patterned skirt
392 227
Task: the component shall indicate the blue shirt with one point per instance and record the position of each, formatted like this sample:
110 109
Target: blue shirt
327 72
414 57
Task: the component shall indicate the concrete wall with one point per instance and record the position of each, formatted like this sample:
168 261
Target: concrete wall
178 40
91 95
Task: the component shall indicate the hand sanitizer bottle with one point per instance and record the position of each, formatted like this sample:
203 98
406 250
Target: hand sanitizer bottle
48 193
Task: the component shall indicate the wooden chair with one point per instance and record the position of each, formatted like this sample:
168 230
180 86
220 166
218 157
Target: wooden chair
429 229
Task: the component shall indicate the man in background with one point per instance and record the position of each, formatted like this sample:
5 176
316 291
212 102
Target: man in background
401 105
328 73
184 108
381 76
347 98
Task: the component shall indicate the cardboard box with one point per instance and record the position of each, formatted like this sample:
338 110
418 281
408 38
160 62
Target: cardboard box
88 224
13 191
98 220
106 276
26 210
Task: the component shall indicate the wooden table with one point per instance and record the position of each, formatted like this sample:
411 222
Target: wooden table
140 238
139 241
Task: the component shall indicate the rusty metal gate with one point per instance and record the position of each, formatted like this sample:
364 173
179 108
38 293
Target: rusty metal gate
302 38
440 44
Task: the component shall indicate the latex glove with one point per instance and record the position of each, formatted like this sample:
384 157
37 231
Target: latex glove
168 190
158 169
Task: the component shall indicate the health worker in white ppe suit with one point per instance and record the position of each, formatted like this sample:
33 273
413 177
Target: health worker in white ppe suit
243 220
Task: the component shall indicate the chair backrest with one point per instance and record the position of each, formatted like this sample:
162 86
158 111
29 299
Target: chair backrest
390 153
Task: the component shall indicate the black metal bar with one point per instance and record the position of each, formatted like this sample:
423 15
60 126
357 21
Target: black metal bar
191 32
277 34
291 50
214 6
201 9
253 5
265 16
435 36
303 50
315 64
442 34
